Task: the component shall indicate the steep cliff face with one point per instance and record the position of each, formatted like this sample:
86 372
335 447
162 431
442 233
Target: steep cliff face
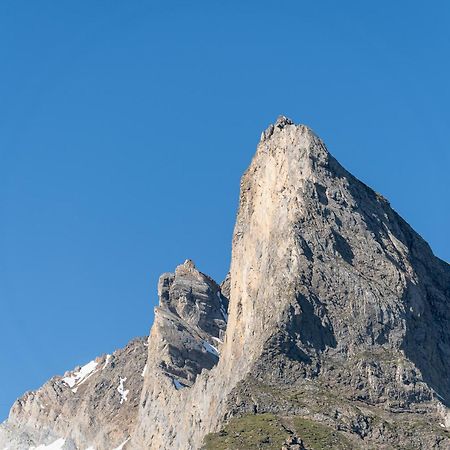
322 266
339 311
189 326
331 292
185 341
331 330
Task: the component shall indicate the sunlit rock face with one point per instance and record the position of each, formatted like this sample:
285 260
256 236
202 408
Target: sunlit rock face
94 405
328 288
335 314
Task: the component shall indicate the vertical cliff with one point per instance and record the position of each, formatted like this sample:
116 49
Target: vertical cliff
331 292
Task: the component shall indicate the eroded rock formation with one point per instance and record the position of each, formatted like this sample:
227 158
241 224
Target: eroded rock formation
333 321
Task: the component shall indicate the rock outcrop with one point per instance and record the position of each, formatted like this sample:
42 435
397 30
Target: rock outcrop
189 325
333 325
184 344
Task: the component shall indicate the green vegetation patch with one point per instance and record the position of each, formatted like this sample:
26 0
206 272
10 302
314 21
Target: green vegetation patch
260 431
267 432
319 437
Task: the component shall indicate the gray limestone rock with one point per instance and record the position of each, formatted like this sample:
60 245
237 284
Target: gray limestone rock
334 320
92 406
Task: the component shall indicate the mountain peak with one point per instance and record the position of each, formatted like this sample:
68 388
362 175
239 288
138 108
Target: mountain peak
334 318
187 266
282 121
293 140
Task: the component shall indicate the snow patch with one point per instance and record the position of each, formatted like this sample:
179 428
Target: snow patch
210 348
120 447
122 391
57 445
177 384
143 371
108 357
80 376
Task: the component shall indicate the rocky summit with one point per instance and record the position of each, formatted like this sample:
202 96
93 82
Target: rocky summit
331 331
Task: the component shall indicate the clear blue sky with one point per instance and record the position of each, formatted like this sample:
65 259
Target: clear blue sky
125 127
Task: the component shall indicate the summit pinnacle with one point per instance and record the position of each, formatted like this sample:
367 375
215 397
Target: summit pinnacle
282 121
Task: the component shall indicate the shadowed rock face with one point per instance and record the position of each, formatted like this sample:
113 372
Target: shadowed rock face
338 317
189 326
194 298
185 344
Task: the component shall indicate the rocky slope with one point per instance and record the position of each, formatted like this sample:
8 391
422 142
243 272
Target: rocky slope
93 406
336 335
